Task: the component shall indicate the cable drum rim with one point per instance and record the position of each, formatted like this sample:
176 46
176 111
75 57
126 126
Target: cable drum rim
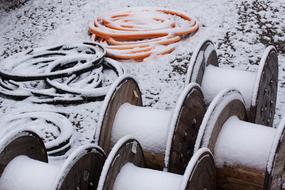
76 156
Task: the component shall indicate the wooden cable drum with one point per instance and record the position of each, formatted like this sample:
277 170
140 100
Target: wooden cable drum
124 170
248 156
60 74
139 32
55 129
259 89
167 136
24 165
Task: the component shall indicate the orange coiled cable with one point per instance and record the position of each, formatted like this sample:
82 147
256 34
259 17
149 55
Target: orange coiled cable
137 33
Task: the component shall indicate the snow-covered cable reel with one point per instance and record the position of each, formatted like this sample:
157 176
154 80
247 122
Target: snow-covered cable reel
24 165
259 89
167 137
247 155
54 74
124 169
55 129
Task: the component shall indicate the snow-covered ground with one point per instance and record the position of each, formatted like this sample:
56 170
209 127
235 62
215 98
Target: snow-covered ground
241 31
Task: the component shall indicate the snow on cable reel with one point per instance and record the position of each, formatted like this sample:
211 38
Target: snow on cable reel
167 137
247 155
259 89
55 129
24 165
124 170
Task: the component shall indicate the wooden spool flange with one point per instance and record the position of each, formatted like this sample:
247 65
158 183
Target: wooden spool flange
200 172
264 95
229 103
127 150
21 143
124 89
80 171
184 125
